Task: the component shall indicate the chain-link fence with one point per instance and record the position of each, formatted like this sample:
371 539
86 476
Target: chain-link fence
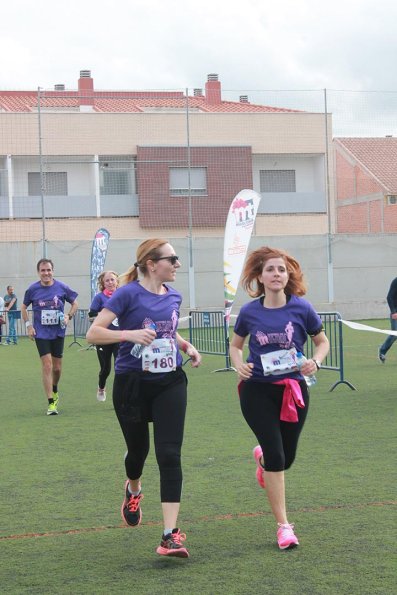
148 163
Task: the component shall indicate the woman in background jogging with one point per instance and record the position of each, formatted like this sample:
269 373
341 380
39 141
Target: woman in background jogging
150 386
107 284
274 397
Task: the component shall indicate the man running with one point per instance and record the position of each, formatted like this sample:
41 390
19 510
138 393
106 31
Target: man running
48 297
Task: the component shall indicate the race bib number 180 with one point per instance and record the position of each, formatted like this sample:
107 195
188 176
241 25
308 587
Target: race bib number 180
159 357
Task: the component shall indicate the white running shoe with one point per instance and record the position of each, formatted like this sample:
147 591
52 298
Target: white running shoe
101 394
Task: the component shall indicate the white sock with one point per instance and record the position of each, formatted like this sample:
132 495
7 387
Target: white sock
134 493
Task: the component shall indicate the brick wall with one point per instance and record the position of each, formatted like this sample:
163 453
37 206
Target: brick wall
375 216
229 170
353 218
352 181
390 218
365 212
345 187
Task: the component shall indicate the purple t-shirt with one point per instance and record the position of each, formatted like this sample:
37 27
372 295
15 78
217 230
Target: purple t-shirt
47 303
136 308
273 329
98 303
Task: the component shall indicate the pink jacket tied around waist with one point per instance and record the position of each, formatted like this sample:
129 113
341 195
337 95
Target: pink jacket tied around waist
292 398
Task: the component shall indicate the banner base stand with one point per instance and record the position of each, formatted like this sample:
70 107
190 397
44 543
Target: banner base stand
88 348
75 343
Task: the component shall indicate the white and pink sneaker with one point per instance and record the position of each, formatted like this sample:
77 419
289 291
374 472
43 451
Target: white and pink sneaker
286 537
257 454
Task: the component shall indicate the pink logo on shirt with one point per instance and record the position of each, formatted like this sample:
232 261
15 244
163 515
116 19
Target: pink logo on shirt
282 339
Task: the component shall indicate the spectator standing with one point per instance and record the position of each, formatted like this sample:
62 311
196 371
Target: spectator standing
2 318
10 306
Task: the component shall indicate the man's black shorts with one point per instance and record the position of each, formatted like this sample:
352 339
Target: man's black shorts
53 346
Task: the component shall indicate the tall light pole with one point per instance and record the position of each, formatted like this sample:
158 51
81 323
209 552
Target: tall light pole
329 235
192 293
43 229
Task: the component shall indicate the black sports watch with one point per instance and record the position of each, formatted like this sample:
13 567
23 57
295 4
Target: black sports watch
318 364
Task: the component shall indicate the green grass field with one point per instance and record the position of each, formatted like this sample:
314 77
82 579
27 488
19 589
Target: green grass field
62 484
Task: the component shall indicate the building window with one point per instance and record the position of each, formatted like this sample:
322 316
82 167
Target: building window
3 182
179 181
117 175
55 183
277 180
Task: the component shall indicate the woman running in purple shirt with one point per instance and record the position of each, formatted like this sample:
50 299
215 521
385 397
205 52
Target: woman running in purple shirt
274 397
107 284
150 384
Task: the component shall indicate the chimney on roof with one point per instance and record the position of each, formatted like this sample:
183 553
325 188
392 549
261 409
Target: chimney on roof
244 99
59 87
213 89
197 92
86 88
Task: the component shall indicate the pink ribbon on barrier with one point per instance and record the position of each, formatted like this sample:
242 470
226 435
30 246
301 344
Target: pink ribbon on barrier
292 397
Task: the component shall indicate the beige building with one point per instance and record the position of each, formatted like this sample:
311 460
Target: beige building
136 162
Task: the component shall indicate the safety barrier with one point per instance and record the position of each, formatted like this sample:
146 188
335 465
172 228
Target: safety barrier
13 326
13 320
209 333
81 324
333 328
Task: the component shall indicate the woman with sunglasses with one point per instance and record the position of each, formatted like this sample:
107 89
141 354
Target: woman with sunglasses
150 386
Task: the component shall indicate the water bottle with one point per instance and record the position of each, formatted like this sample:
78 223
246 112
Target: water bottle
300 360
137 350
61 320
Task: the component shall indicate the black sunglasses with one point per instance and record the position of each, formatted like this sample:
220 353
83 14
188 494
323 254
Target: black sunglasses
172 259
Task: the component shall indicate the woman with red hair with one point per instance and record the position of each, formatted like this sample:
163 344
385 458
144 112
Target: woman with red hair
274 397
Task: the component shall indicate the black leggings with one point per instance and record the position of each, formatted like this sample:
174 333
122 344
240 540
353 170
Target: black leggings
261 405
163 401
104 353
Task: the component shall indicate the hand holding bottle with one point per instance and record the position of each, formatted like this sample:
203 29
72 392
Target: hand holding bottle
301 363
148 335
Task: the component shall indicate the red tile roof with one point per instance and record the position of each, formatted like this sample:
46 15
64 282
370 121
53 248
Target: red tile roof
377 155
129 101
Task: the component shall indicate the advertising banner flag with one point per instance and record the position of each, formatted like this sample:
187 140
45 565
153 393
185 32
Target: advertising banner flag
98 257
239 225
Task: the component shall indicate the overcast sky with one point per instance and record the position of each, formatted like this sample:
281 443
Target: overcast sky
173 44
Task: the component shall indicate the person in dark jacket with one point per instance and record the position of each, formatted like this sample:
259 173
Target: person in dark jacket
392 301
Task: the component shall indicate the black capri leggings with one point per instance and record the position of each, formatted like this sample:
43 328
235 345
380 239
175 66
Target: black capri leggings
163 402
104 353
261 405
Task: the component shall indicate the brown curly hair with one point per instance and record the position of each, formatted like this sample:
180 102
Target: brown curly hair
254 266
